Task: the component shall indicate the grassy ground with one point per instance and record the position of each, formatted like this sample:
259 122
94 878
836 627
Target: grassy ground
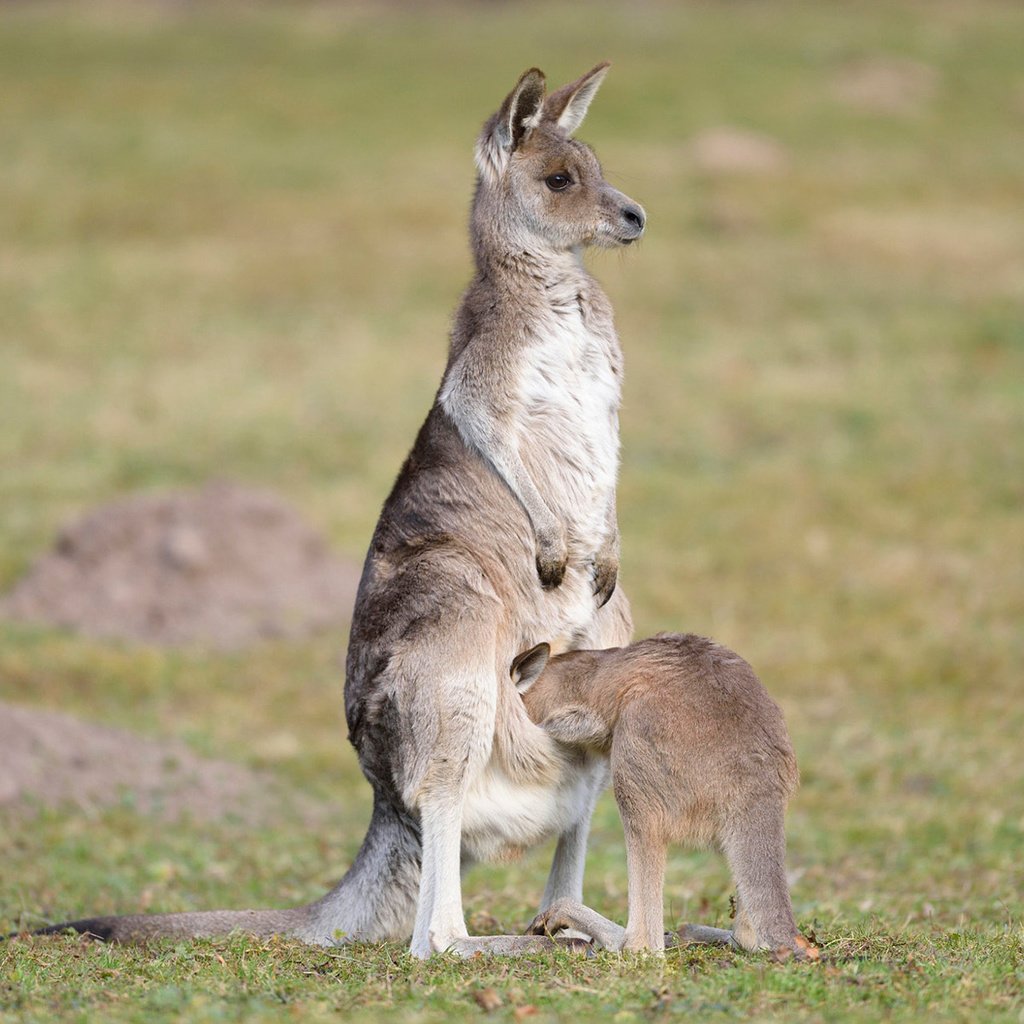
230 242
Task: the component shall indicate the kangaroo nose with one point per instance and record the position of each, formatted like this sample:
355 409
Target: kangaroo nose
635 218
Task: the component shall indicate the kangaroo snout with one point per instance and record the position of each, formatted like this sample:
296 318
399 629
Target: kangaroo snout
623 219
634 219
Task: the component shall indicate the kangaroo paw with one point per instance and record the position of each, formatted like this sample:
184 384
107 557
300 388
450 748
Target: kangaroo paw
551 571
552 556
605 578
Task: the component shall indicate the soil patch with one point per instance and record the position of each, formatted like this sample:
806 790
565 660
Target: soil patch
887 85
222 567
49 759
728 150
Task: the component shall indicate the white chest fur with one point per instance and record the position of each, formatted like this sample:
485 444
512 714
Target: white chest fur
567 416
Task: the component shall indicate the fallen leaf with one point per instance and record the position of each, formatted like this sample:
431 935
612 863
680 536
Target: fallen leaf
487 999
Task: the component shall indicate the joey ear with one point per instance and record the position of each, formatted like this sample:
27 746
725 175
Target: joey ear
511 125
527 667
568 106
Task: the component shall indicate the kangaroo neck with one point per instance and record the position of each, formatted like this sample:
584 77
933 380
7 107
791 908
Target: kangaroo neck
525 268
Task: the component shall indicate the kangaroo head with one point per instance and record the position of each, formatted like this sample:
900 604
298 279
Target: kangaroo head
539 186
554 690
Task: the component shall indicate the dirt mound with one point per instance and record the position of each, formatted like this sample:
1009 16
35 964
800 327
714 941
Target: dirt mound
728 150
50 759
222 567
886 85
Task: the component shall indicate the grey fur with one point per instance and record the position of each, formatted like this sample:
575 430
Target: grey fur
699 753
500 530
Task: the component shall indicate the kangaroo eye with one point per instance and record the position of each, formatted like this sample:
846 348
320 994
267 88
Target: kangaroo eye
558 182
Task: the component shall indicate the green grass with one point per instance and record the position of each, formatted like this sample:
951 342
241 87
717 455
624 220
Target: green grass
230 243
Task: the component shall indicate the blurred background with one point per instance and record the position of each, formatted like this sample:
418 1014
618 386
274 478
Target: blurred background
231 239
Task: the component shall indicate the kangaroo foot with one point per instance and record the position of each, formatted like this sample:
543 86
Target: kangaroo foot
704 935
805 950
516 945
564 913
698 934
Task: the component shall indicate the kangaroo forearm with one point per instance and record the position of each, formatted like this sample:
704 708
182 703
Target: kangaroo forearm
484 432
511 469
549 533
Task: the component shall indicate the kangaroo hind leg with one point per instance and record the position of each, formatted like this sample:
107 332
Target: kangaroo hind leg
447 692
645 861
755 847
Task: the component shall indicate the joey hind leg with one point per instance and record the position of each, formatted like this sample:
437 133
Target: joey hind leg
755 847
743 936
775 934
645 860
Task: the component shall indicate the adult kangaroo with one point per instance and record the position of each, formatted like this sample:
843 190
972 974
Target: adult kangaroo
500 532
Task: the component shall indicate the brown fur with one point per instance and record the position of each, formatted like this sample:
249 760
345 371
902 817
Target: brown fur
699 754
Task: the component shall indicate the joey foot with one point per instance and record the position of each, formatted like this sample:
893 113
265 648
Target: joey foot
703 935
805 950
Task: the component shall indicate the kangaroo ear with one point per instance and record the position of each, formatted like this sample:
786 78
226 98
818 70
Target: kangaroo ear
511 125
526 667
569 105
522 107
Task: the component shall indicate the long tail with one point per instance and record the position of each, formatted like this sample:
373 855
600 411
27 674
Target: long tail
373 902
191 925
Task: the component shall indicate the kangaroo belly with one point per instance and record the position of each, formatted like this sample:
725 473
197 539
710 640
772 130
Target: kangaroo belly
502 818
